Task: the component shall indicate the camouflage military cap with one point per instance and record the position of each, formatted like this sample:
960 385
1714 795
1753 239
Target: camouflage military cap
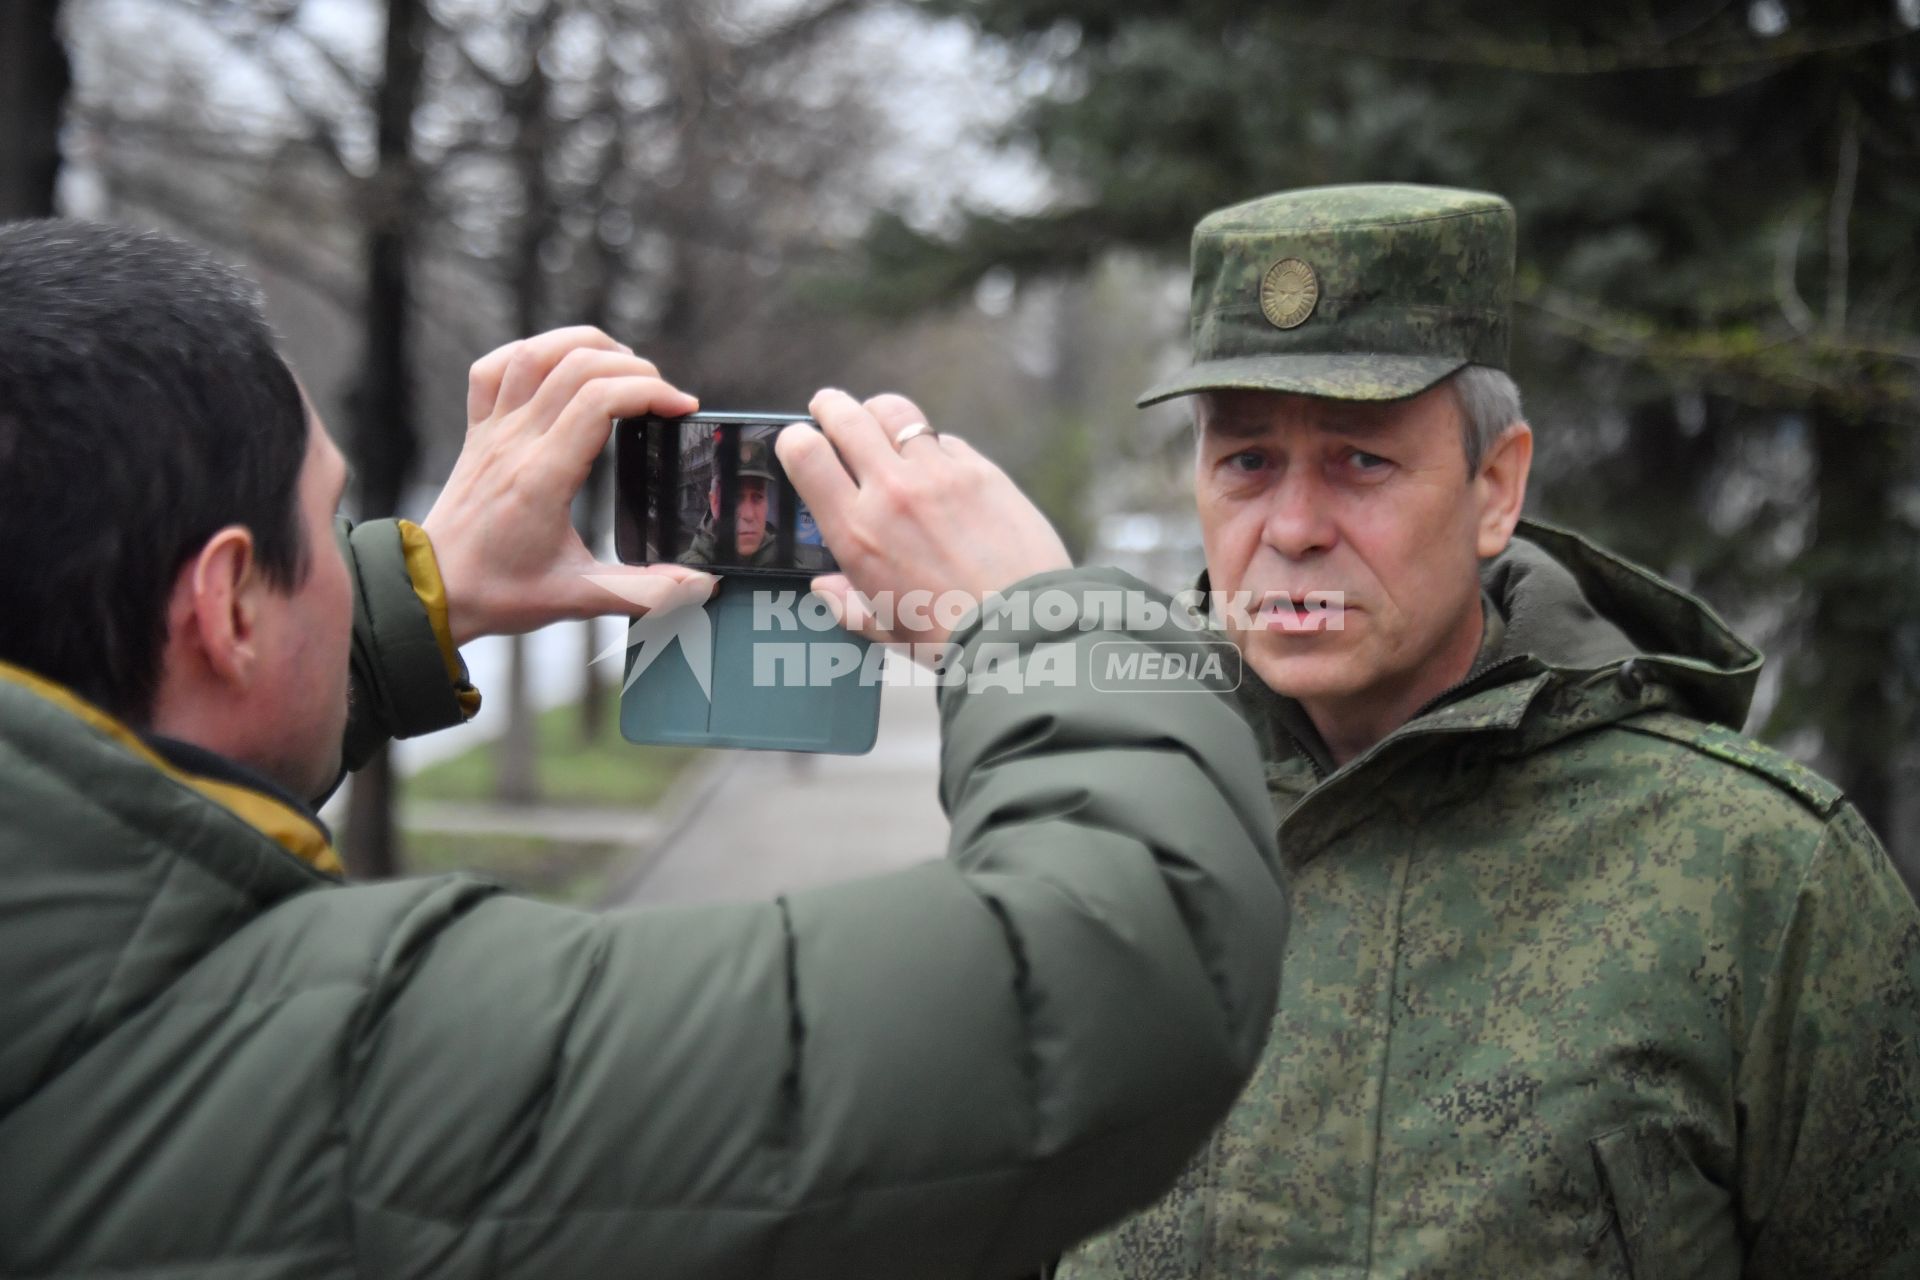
756 459
1370 292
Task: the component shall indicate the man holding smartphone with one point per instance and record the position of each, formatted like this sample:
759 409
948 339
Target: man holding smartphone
219 1059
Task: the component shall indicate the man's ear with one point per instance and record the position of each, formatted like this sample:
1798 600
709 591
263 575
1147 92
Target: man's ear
1501 488
216 603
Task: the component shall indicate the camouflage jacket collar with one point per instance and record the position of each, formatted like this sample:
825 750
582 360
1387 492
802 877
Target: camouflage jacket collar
1580 611
1580 638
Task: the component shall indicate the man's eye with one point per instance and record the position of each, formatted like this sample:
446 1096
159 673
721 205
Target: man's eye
1363 461
1246 461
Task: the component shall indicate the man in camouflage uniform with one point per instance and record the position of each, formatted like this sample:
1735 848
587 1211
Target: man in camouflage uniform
1581 982
755 542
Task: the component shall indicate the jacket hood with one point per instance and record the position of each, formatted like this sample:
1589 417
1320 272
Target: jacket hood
1583 638
1576 609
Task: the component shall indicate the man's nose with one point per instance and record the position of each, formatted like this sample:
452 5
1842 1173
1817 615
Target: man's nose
1299 516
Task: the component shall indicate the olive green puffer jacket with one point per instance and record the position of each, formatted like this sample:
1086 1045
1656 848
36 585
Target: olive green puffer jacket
218 1061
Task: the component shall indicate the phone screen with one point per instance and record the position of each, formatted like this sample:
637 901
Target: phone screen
707 490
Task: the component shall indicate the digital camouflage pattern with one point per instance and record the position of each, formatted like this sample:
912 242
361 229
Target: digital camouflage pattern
1580 982
1407 285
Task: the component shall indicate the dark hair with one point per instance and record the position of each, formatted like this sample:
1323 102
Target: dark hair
143 407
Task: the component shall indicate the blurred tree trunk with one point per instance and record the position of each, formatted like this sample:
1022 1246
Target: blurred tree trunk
1065 464
517 778
603 267
384 436
34 81
1855 624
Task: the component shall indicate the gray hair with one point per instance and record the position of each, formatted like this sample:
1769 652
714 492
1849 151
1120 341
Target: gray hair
1489 404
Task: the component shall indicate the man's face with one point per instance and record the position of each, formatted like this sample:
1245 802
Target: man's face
1372 501
305 639
749 514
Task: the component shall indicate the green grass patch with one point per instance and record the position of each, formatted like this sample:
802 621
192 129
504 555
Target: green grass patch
611 772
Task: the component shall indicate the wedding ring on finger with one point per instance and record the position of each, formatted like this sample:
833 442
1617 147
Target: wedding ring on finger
912 431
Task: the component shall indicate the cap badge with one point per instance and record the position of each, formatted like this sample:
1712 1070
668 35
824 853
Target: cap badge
1288 293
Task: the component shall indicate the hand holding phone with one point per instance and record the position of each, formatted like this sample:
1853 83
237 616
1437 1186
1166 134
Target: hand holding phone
538 414
708 491
923 513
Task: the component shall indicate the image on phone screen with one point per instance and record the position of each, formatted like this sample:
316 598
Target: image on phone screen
708 490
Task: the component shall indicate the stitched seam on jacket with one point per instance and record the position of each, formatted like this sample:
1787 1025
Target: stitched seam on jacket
1818 797
787 1117
1403 872
363 1030
1203 957
1029 1058
175 855
1247 233
1778 959
250 888
191 1267
1208 951
85 1035
1023 1001
127 947
541 1097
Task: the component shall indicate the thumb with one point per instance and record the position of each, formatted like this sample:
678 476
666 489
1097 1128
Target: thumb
834 588
678 572
851 609
646 588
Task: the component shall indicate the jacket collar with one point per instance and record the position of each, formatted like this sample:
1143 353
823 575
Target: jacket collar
252 799
1577 637
1581 611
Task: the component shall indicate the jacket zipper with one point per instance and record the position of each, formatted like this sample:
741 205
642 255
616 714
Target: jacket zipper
1320 775
1472 677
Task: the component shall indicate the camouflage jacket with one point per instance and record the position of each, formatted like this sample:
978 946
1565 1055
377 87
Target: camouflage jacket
772 553
1580 982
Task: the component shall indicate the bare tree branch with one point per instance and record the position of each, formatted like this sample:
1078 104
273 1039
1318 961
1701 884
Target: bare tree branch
1786 288
348 75
320 128
302 260
775 43
1877 374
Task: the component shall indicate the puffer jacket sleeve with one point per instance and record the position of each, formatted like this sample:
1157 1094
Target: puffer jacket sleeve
953 1070
400 684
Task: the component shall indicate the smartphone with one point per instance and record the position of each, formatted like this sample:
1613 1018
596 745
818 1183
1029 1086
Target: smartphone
707 490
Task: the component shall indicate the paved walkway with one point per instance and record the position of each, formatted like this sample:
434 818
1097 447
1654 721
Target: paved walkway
580 824
753 824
